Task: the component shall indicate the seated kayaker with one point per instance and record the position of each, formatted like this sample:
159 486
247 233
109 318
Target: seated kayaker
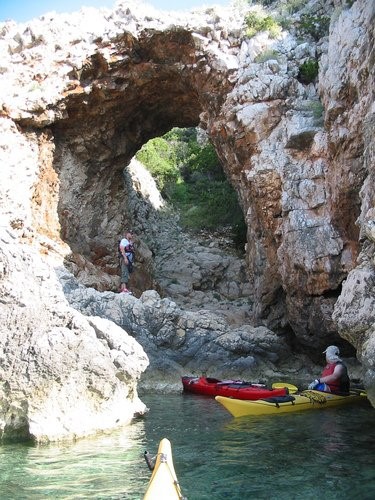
334 377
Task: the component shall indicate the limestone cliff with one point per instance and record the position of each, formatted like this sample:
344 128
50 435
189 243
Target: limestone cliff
80 95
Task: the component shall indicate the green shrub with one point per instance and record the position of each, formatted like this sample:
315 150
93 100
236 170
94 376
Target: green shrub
256 22
314 26
202 161
317 109
190 176
206 204
308 71
160 160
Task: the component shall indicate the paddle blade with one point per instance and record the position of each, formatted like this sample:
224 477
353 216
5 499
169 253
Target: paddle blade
279 385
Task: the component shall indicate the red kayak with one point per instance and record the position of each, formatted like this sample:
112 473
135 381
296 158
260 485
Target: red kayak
230 388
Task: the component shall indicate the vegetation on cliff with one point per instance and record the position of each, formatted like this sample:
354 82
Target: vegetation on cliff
296 15
190 177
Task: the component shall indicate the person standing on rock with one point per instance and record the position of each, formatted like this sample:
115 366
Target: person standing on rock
334 377
126 255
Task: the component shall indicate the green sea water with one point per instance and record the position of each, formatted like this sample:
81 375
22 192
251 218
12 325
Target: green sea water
327 454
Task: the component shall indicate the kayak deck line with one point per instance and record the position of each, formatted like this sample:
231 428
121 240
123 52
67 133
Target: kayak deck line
314 396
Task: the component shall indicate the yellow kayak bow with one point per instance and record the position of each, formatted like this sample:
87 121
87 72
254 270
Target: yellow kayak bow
163 483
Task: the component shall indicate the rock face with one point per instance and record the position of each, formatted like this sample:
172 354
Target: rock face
80 95
62 375
179 341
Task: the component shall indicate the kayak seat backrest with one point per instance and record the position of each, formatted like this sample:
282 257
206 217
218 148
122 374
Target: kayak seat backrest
279 399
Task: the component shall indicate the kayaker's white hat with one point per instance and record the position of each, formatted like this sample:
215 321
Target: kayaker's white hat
332 353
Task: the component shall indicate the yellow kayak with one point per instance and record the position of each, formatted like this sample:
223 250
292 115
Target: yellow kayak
163 484
306 400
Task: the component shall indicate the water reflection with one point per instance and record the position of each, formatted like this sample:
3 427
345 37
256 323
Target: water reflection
110 466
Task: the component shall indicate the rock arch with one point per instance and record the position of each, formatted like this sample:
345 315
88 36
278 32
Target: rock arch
109 110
